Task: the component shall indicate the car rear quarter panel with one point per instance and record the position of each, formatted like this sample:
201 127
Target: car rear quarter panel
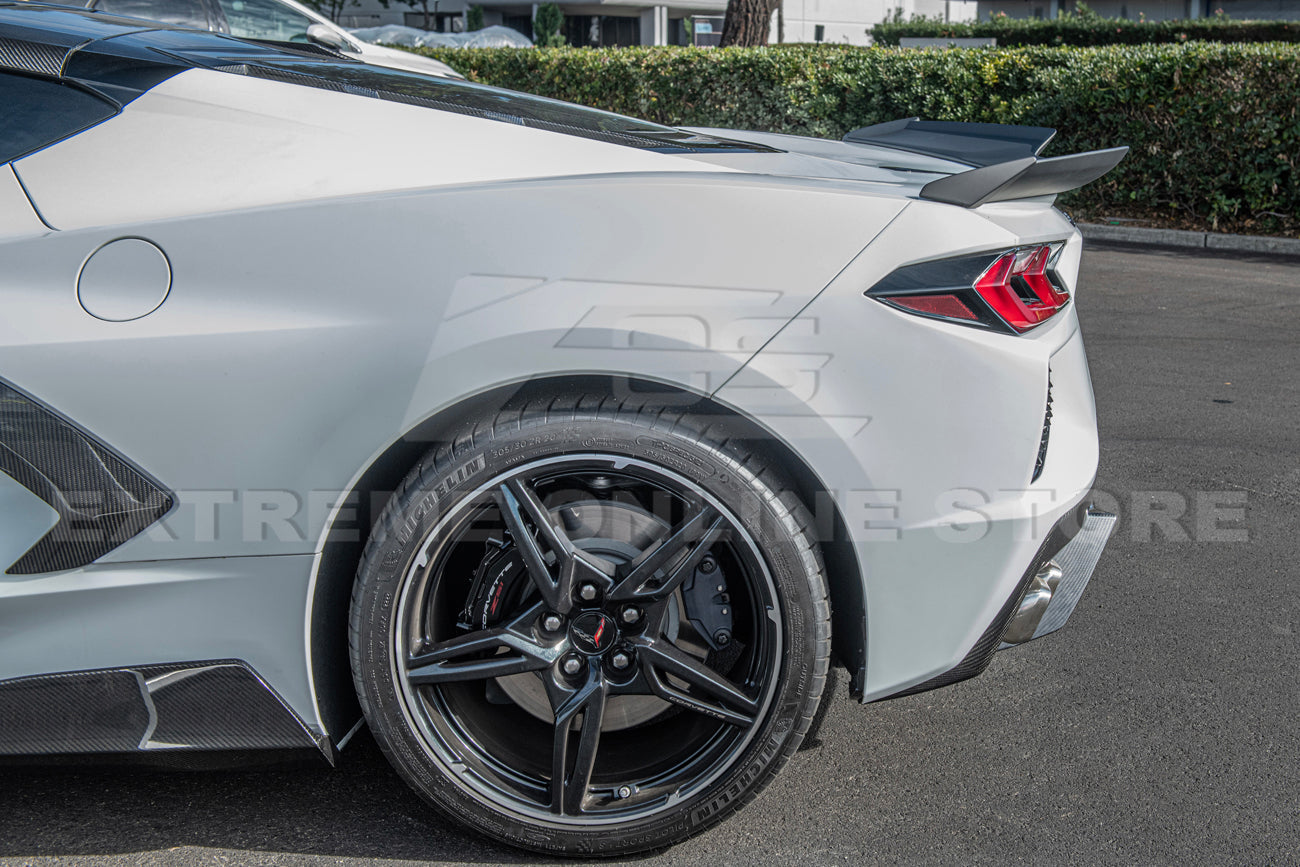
925 433
299 342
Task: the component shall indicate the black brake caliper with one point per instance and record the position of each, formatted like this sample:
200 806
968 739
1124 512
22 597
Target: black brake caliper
499 583
708 606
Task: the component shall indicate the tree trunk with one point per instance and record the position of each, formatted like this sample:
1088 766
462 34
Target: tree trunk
748 22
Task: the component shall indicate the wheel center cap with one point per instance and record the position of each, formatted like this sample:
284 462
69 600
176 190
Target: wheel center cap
593 632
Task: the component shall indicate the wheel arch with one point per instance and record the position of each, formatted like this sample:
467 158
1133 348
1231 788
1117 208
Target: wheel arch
345 536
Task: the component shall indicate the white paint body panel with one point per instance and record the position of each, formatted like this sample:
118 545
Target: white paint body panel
16 215
207 141
325 302
26 519
944 421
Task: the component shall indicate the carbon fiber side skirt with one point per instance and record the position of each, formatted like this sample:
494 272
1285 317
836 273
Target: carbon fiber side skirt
216 705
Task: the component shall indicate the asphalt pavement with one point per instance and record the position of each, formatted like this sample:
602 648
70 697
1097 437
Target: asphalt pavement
1159 727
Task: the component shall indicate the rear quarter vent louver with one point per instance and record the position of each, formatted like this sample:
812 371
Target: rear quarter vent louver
1047 432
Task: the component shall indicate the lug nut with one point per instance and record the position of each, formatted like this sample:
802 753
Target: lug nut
587 592
571 665
624 792
631 614
552 623
620 660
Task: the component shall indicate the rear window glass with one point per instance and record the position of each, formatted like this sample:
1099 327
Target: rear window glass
37 112
182 13
264 19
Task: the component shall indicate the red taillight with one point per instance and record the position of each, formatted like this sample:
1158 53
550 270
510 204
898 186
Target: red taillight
1003 290
1019 290
947 306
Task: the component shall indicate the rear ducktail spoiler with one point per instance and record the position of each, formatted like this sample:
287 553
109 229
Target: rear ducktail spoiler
1004 159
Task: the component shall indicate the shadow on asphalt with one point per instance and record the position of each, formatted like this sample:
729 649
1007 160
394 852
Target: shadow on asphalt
297 805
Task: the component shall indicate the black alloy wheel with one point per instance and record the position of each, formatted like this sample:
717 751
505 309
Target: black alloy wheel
579 641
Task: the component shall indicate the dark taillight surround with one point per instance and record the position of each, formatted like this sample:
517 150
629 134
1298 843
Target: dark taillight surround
1011 291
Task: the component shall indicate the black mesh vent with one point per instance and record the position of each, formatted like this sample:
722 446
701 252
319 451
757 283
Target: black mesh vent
31 56
101 499
1047 432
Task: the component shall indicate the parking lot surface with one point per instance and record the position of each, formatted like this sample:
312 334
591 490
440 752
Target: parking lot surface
1160 726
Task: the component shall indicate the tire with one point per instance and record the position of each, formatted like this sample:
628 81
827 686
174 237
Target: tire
673 616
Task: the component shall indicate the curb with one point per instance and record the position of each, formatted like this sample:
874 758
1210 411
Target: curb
1181 239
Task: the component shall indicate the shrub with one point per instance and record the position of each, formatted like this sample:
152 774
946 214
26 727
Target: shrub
1090 29
1214 130
547 25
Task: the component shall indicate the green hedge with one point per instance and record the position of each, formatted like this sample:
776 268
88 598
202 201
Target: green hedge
1214 129
1091 29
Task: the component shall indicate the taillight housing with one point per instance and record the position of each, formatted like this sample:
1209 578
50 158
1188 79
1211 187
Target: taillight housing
1006 290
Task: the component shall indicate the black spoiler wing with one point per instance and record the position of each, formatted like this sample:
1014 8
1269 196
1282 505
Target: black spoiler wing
1022 178
1004 158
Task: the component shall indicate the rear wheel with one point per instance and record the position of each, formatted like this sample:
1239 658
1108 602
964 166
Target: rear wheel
595 633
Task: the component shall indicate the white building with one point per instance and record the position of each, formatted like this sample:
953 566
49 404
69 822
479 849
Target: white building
589 23
849 20
638 22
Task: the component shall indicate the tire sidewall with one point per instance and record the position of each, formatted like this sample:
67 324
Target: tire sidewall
432 492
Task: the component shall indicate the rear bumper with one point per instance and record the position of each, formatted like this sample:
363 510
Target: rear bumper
1072 548
1055 590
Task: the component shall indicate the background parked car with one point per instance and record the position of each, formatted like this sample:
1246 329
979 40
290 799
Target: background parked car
495 36
274 21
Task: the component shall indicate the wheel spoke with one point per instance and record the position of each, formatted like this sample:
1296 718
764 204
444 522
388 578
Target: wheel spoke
517 501
570 779
659 657
551 534
461 658
702 529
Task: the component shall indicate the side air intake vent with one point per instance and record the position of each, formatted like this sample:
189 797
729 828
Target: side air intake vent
101 499
31 56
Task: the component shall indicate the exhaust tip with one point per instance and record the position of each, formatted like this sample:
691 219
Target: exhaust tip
1033 605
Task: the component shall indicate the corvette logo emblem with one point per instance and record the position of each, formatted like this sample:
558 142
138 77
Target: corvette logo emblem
593 632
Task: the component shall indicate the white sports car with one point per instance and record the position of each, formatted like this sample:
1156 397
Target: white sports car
547 443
